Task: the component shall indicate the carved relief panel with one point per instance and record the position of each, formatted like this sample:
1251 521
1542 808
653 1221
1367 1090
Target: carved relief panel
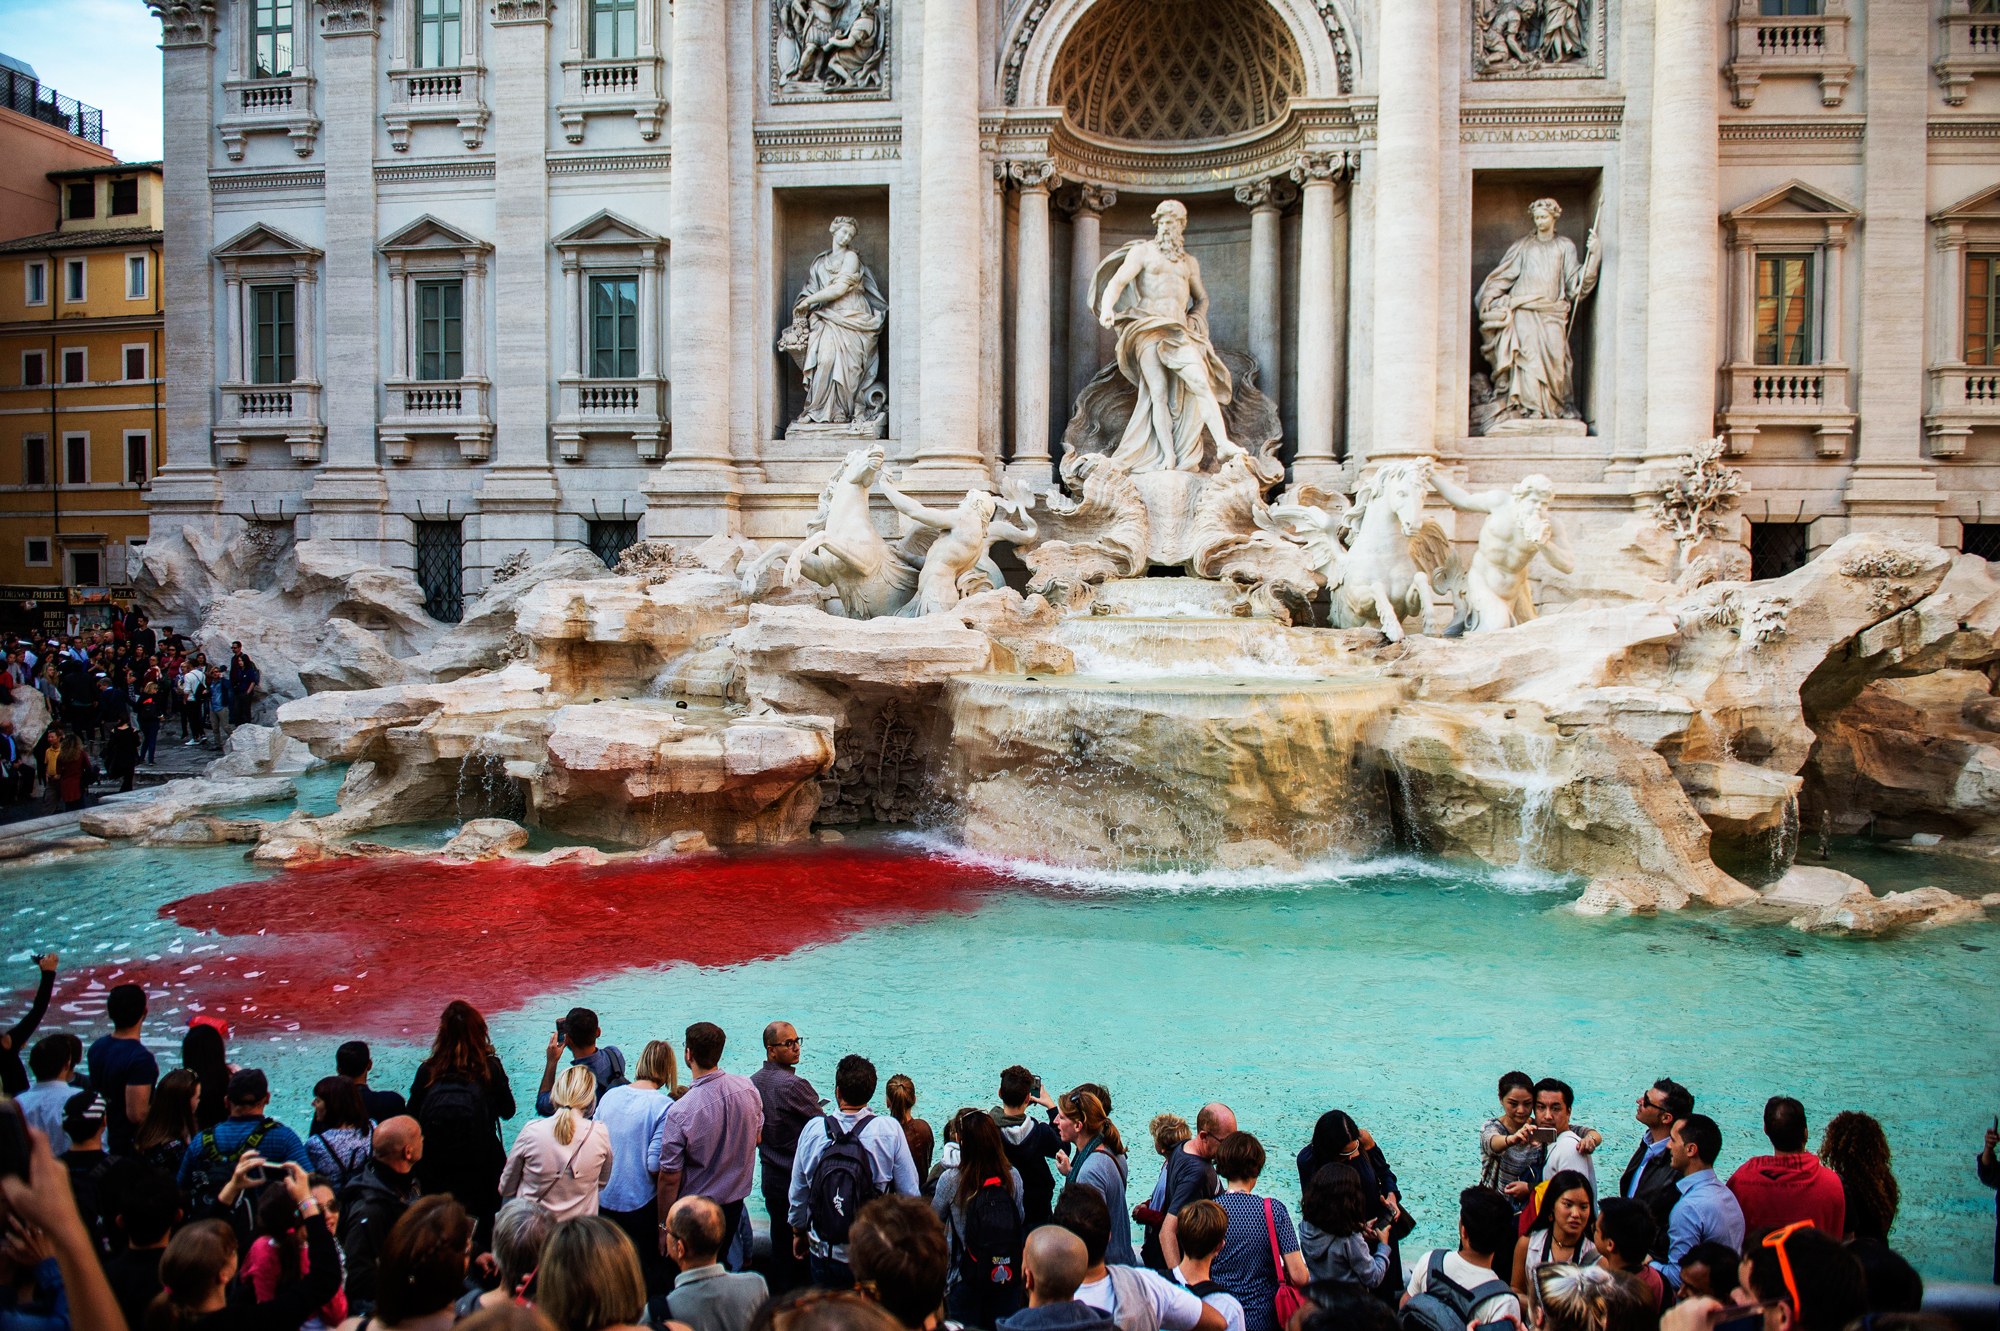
829 50
1538 39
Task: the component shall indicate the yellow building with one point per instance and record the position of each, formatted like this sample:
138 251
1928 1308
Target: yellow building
80 391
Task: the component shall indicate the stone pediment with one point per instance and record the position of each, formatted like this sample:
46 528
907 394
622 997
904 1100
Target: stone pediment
429 233
1983 206
264 242
1793 199
608 228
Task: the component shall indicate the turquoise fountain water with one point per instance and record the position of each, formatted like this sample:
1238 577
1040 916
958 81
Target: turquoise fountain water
1397 989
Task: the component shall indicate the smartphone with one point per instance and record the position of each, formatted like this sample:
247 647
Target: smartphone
1038 1086
254 1176
1546 1136
562 1029
14 1147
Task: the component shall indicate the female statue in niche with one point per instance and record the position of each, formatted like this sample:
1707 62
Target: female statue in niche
1526 307
835 336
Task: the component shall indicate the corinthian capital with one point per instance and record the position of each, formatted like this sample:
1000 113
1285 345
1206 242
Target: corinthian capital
352 18
185 22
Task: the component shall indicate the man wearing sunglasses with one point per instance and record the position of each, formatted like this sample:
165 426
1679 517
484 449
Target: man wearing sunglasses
1706 1211
1797 1277
1650 1176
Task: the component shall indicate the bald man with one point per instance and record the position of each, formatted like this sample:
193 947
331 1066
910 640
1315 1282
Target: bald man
371 1205
706 1296
1189 1176
790 1102
1053 1265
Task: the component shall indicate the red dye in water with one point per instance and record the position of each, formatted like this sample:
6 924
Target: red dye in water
377 946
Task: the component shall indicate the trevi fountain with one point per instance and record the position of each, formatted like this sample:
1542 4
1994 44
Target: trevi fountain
1170 747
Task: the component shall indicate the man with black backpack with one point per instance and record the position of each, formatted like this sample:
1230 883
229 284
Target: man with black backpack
211 1157
1449 1291
844 1161
372 1204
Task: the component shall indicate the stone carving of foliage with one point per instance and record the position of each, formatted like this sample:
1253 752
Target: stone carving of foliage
1691 508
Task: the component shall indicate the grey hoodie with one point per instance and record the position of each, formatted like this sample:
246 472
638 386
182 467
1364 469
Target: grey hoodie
1348 1260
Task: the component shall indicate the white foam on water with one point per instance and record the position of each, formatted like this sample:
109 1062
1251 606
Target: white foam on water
1313 873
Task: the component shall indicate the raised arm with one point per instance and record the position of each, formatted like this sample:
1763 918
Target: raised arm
1461 498
911 509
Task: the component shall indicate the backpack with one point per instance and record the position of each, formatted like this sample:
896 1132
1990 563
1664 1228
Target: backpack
843 1181
989 1249
1445 1305
212 1169
455 1110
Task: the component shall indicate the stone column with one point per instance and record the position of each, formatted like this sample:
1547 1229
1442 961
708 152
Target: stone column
949 451
701 249
1407 206
1681 248
1266 317
349 497
1893 486
232 296
1031 320
1086 251
402 365
518 493
1322 316
185 491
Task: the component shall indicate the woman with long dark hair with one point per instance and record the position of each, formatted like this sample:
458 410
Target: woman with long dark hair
205 1055
1342 1247
1338 1139
461 1097
277 1256
1561 1230
974 1163
340 1149
1855 1147
170 1123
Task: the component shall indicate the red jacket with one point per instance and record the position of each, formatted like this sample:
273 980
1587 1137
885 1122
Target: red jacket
1776 1190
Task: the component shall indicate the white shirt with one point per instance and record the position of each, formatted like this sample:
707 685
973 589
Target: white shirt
42 1107
1468 1277
1566 1152
1173 1307
1225 1303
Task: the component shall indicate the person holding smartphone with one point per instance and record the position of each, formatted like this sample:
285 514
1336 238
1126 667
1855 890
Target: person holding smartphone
14 1077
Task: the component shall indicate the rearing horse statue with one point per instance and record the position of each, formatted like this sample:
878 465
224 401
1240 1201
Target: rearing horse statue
1394 558
842 549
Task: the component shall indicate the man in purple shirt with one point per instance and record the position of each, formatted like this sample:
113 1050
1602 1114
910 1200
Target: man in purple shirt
707 1143
790 1102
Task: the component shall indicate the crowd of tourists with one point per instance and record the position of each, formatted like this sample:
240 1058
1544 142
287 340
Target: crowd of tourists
111 692
151 1200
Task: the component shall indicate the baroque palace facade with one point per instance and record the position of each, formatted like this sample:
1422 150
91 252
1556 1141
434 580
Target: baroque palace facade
451 279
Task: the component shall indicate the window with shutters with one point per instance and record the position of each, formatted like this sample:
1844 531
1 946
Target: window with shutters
35 461
614 29
1785 332
75 365
34 369
125 197
614 327
135 361
440 34
440 330
138 457
273 357
1982 308
76 459
82 199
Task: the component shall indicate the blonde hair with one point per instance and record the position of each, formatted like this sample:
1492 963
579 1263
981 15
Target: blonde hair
589 1277
1169 1132
658 1065
1587 1298
575 1095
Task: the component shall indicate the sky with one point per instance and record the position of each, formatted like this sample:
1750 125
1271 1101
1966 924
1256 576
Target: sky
103 52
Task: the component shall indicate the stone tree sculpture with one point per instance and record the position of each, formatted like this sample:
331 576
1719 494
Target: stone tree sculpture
1527 308
1693 505
835 337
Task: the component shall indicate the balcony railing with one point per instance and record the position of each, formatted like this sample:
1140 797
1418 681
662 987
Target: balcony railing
1971 49
433 96
612 87
1768 45
270 411
1962 398
25 94
1814 396
455 407
633 408
280 105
